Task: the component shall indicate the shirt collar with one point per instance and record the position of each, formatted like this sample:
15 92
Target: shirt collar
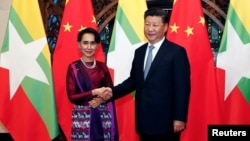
158 44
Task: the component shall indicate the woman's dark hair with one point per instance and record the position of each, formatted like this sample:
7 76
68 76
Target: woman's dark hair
90 31
156 11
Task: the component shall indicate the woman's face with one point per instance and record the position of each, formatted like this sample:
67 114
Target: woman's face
87 45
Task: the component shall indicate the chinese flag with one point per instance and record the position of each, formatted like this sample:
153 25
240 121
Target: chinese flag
78 14
187 28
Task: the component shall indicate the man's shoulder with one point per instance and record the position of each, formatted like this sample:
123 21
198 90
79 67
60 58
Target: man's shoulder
172 44
142 47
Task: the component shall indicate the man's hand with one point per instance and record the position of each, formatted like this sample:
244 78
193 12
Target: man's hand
98 91
179 126
106 95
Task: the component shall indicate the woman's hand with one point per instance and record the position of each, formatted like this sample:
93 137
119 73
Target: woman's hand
105 93
95 102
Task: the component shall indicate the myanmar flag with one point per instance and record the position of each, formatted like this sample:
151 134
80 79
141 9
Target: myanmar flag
78 14
126 37
27 104
187 28
233 64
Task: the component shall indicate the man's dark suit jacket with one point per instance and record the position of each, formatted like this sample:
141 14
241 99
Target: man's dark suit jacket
163 96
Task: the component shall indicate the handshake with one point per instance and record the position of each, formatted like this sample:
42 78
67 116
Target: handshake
100 96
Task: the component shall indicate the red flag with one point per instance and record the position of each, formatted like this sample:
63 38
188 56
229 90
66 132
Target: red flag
78 14
187 28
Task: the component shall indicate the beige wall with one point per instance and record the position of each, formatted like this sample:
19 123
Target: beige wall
4 13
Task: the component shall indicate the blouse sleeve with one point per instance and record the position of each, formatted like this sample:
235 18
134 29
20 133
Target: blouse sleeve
108 79
73 91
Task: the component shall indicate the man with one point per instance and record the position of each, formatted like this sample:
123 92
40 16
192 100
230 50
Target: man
161 99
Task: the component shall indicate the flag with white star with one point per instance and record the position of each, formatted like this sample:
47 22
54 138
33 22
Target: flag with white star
77 15
126 37
27 103
233 64
187 28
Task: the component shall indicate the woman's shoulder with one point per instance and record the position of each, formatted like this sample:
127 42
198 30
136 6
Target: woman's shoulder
75 62
100 63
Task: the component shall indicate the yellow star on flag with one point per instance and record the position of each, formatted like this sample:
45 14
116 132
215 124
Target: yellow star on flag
202 20
67 27
174 28
189 31
82 27
93 20
175 1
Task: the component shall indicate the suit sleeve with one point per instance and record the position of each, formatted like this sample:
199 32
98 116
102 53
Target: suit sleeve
181 84
127 86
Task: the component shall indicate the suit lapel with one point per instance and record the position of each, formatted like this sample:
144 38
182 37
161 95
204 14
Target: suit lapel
142 57
161 52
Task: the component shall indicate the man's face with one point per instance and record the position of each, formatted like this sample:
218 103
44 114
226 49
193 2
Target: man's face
154 29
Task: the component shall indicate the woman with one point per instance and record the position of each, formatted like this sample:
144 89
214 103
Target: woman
92 118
